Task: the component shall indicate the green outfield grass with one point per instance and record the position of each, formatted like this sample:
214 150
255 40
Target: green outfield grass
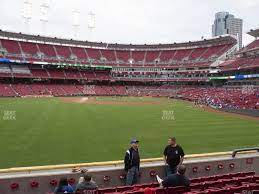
49 131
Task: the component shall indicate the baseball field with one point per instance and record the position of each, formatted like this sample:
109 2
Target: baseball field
47 131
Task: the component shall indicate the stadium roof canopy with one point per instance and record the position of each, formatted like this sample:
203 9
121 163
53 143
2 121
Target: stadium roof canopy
254 33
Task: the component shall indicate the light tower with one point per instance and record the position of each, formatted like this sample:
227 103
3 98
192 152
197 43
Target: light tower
44 9
27 14
91 22
76 23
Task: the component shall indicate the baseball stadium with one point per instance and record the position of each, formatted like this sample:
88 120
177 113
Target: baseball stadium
72 107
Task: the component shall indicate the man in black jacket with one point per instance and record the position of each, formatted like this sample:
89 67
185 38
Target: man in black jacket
86 184
132 162
177 179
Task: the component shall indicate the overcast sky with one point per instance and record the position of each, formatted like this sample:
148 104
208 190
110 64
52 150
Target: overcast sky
130 21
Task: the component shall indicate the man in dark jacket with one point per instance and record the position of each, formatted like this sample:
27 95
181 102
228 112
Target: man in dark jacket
132 162
177 179
86 184
173 156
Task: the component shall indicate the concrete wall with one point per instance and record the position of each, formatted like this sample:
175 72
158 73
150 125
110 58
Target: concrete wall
253 113
205 166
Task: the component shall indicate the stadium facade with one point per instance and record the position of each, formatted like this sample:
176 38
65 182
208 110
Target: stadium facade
44 66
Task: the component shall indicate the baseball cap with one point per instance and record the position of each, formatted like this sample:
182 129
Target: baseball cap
134 141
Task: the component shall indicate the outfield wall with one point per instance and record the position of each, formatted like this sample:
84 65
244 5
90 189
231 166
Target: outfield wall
37 180
253 113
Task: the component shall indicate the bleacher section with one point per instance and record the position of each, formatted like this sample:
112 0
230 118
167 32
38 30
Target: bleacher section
58 67
40 73
52 58
234 98
219 184
246 59
7 91
27 49
36 89
252 45
23 71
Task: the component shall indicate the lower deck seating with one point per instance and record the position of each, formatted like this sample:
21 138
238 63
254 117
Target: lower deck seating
56 90
72 90
22 89
220 184
7 91
11 90
237 98
221 97
39 89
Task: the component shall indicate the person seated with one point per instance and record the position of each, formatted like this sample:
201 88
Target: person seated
86 183
174 180
63 187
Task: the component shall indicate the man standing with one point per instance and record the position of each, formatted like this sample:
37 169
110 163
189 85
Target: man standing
132 162
173 156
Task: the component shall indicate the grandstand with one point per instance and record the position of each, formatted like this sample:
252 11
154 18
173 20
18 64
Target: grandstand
32 65
209 71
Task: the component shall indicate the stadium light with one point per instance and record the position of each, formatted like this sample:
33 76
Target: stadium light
44 9
76 23
91 24
91 21
27 14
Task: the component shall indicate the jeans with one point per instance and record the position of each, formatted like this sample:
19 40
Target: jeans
170 170
132 176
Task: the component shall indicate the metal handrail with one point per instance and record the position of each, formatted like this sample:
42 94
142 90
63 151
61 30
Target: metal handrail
244 150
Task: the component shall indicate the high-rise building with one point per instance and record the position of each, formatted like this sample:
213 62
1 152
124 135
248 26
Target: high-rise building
226 23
